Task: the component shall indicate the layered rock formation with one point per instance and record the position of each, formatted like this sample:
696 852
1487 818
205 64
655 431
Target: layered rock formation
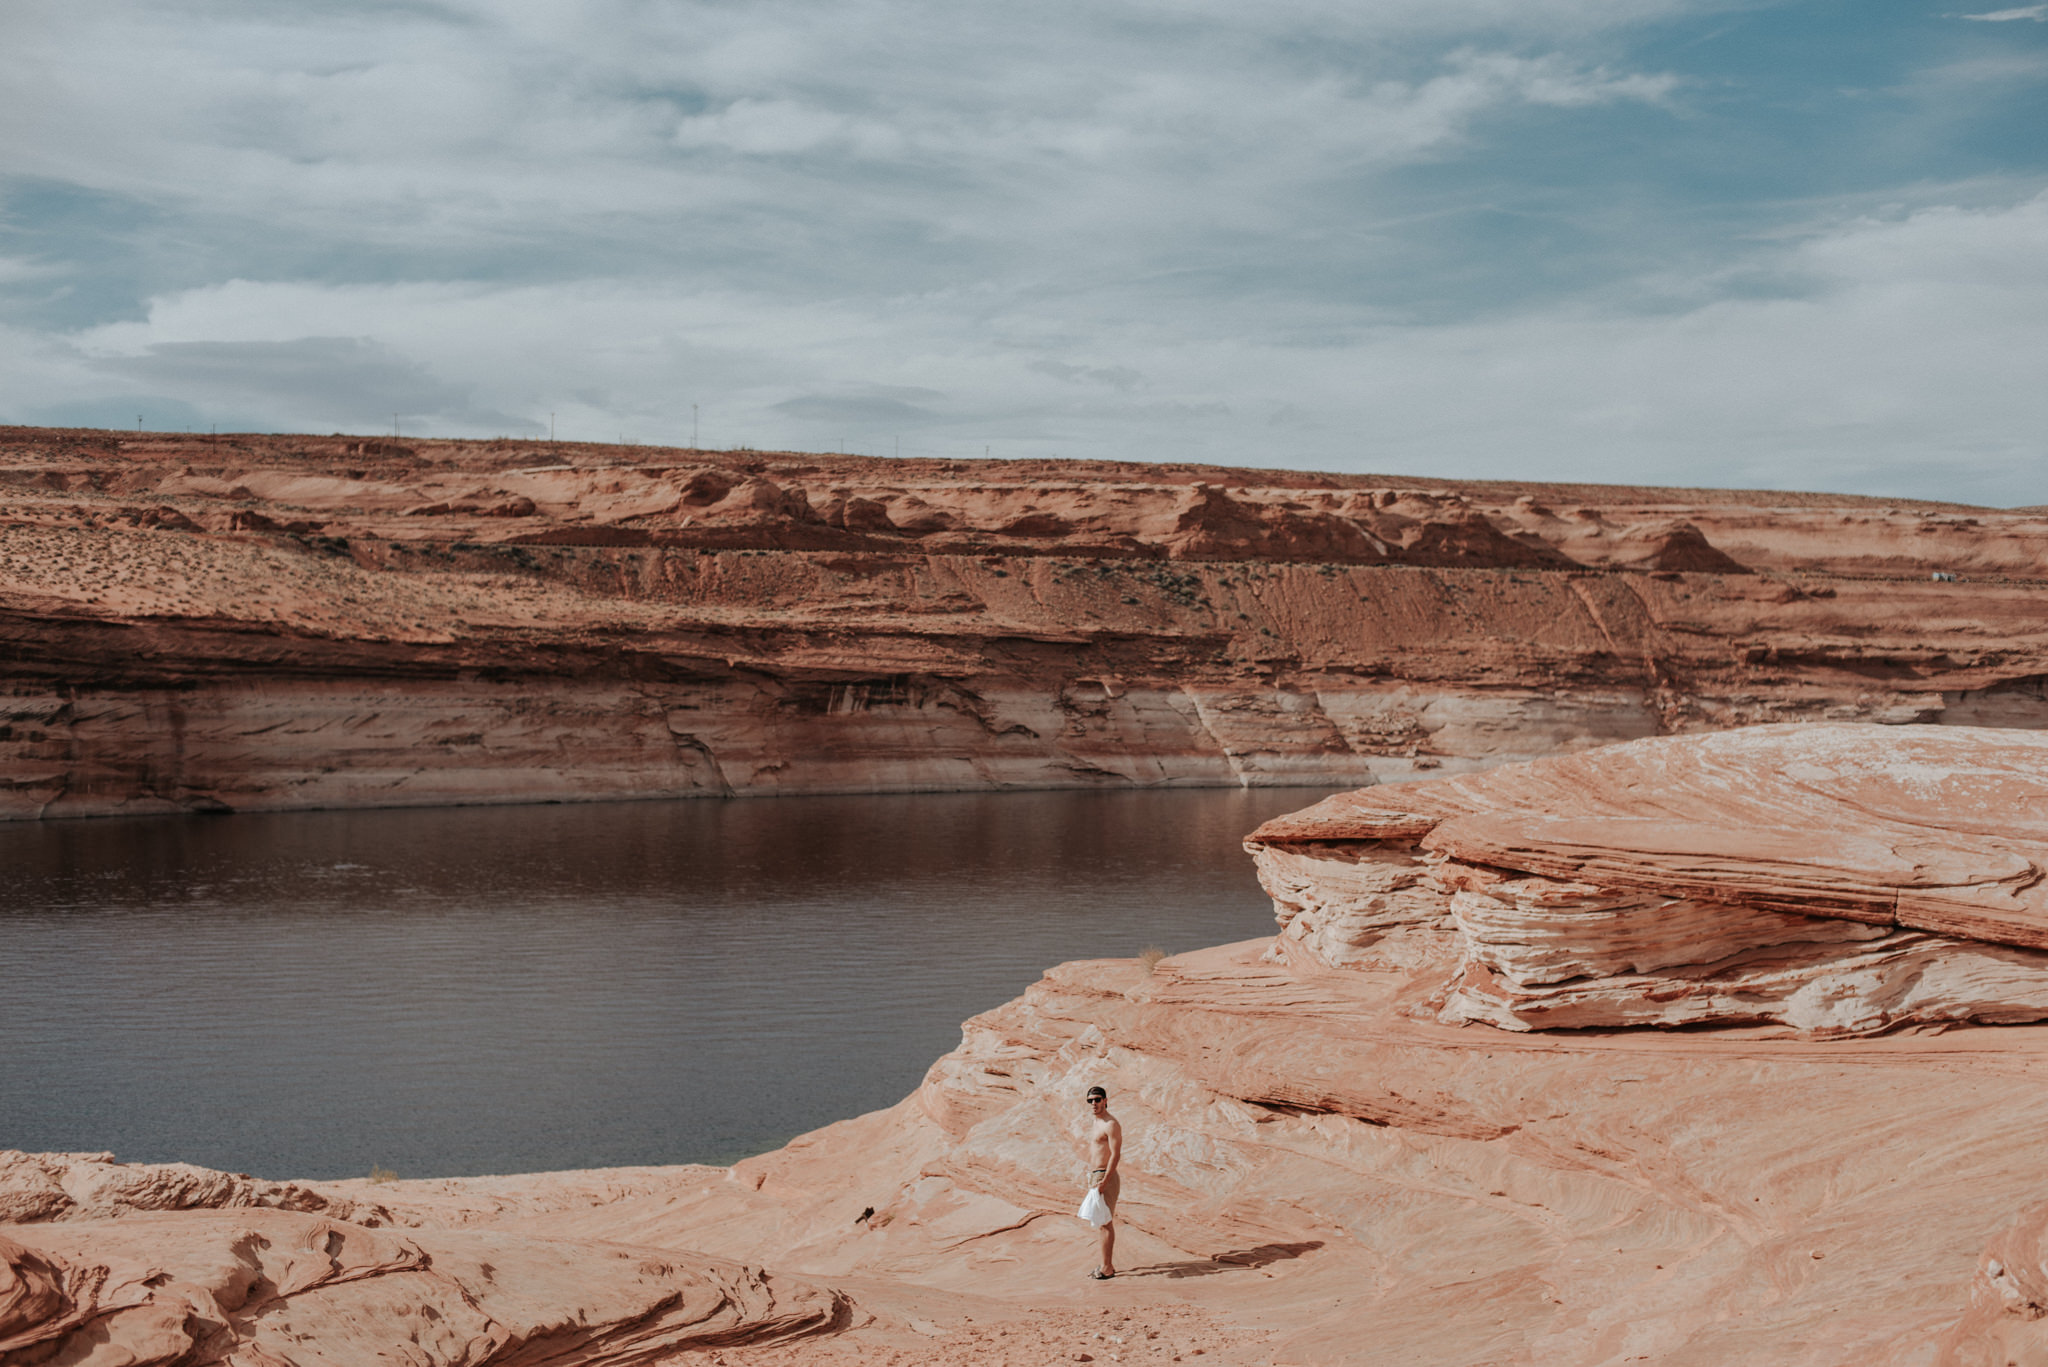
140 1265
1836 879
275 622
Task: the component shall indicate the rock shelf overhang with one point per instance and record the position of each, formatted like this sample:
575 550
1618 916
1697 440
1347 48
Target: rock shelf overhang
1838 879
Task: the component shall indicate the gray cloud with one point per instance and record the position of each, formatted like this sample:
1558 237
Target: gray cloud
380 141
1115 376
864 412
351 382
1511 237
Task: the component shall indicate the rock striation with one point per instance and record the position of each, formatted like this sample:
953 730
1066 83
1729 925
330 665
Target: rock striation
36 1187
270 622
168 1264
1840 880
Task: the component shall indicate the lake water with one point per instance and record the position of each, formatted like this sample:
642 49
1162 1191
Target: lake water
511 989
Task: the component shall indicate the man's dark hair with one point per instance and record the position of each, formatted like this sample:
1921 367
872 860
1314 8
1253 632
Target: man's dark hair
1094 1092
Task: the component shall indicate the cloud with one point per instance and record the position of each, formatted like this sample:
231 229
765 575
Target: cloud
855 140
1900 355
783 127
17 270
1115 376
1509 237
2038 13
328 378
353 383
1998 68
135 411
865 412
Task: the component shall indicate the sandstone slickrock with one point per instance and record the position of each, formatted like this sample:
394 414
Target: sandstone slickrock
1327 1177
73 1186
254 622
2008 1299
1837 879
221 1280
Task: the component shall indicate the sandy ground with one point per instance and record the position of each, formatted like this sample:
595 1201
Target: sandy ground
1138 1325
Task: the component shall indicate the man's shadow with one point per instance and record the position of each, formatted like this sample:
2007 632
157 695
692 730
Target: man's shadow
1236 1261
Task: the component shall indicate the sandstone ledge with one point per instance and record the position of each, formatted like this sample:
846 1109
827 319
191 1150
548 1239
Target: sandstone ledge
1835 879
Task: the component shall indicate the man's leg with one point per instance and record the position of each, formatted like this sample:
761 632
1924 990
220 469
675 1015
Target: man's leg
1112 1187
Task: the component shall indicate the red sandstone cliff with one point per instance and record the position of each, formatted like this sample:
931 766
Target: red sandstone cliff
266 622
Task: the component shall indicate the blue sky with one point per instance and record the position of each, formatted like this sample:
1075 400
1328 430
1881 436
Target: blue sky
1764 244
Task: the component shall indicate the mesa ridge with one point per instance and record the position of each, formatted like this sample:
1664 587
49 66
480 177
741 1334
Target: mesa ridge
278 622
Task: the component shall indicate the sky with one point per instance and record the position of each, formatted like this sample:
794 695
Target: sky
1732 243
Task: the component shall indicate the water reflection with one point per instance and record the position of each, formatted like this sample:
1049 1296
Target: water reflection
512 989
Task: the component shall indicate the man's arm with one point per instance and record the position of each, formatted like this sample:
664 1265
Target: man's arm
1116 1148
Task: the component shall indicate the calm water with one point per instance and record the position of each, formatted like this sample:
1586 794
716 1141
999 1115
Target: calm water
524 988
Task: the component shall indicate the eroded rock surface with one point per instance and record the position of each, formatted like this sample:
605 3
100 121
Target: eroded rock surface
289 622
1835 879
171 1264
36 1187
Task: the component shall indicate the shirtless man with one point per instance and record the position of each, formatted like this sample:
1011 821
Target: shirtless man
1105 1151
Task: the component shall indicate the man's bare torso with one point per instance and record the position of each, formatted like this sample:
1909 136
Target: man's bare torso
1102 1137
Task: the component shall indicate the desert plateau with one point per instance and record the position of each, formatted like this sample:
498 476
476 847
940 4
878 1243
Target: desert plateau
248 623
1669 984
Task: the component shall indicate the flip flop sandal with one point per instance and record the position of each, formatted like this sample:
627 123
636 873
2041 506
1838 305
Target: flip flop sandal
1099 1275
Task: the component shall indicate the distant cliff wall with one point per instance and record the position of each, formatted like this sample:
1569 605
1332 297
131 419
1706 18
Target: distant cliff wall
263 744
275 623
